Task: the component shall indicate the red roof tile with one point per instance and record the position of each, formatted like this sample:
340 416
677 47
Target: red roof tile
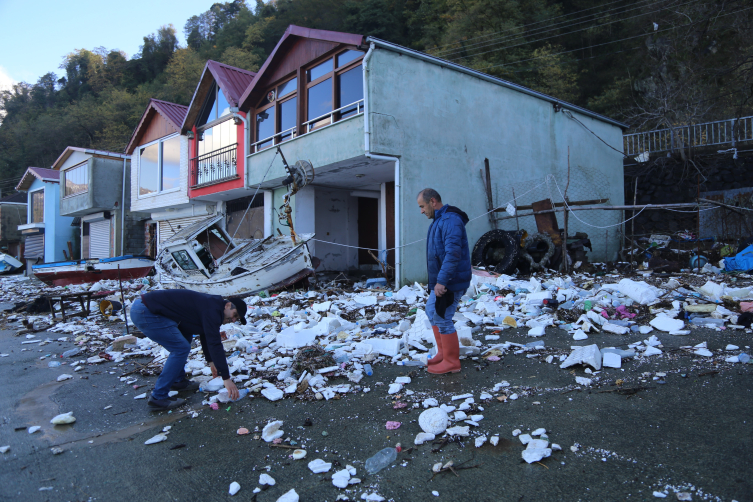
233 81
175 115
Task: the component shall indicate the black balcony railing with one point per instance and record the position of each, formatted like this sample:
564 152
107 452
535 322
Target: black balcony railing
215 166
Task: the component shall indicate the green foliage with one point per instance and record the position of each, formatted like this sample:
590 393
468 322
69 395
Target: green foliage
694 64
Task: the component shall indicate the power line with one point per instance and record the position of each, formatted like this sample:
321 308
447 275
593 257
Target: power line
607 43
529 24
542 30
564 34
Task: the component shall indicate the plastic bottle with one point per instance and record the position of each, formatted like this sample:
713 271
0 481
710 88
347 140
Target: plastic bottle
567 305
367 369
71 353
382 459
743 358
587 305
707 321
53 364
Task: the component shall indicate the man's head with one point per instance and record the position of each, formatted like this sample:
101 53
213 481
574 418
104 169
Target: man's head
429 201
235 310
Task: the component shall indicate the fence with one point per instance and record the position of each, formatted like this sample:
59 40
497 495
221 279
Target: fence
214 166
722 132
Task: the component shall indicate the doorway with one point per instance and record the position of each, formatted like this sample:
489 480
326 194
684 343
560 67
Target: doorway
368 229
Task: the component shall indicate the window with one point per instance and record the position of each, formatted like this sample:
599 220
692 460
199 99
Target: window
215 106
335 85
184 261
276 116
76 179
37 206
159 166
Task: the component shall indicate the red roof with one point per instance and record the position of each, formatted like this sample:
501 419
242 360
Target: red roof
39 173
173 113
232 81
300 32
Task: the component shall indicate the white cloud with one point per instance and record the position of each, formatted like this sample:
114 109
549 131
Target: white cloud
6 81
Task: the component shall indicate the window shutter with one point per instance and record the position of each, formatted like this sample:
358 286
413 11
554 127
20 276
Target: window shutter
99 239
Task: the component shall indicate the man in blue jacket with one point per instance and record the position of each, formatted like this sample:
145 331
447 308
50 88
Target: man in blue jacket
449 264
171 317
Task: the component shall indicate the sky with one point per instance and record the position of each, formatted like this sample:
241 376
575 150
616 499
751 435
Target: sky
36 35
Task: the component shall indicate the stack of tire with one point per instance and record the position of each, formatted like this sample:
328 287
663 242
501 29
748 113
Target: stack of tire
500 251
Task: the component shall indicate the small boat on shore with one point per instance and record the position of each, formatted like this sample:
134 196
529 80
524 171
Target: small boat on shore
9 264
66 273
203 257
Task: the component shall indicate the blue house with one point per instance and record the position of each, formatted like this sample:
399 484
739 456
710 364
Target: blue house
47 233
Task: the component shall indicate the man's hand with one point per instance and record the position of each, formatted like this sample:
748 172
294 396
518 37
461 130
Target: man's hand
232 390
214 370
439 290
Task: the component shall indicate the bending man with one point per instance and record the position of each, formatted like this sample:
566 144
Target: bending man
171 317
449 266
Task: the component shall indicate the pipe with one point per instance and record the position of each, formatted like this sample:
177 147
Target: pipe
246 142
369 155
122 212
366 130
396 160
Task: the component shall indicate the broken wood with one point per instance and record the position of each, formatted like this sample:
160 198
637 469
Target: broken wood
629 391
283 446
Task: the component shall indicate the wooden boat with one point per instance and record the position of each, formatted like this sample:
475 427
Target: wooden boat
65 273
202 257
9 264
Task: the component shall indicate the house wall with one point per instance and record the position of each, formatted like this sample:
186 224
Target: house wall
443 136
336 221
57 228
173 199
240 166
343 140
105 188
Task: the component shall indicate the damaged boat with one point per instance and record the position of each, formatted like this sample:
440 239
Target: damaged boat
67 273
202 257
9 264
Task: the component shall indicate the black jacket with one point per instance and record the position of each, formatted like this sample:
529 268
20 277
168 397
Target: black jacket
196 314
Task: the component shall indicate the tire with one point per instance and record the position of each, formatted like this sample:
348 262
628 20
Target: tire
497 250
538 243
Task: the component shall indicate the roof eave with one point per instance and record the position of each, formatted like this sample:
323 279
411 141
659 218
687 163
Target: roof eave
484 76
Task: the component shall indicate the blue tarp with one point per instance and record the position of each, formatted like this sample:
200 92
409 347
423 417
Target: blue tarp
742 261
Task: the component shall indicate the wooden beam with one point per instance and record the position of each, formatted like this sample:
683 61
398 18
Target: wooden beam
559 204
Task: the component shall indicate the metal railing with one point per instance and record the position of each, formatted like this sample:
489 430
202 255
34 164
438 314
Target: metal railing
214 166
722 132
359 109
272 140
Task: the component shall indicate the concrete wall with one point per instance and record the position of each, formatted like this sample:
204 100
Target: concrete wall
104 191
442 133
174 199
336 221
57 229
343 140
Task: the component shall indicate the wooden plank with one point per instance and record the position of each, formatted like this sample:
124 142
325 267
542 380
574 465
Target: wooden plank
558 204
546 222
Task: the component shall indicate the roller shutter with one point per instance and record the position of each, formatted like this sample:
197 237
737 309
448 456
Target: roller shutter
34 246
168 228
99 239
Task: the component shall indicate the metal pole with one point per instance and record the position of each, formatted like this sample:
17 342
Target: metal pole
564 244
632 231
698 236
122 300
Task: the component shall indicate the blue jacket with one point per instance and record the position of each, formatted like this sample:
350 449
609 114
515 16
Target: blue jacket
447 253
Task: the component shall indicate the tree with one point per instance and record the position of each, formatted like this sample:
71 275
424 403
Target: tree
183 73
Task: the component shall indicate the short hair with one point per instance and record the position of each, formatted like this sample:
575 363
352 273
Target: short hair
429 193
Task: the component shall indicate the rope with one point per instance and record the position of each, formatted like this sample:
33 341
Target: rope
251 202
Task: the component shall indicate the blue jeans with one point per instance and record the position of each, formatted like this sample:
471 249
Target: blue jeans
446 326
165 332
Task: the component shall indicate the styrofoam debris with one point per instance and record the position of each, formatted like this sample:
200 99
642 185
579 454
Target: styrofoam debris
318 466
63 418
433 421
272 431
234 488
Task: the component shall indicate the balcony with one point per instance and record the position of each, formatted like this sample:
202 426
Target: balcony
214 167
722 132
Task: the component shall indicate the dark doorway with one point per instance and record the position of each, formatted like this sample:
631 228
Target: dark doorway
151 240
368 229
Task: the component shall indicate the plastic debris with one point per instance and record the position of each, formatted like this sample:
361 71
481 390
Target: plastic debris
382 459
289 496
234 488
266 479
63 418
318 466
156 439
272 431
33 429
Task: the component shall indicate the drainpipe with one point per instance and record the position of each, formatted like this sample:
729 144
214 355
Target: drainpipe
365 70
369 155
246 142
122 212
